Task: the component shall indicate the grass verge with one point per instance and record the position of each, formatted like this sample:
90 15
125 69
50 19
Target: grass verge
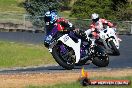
20 55
78 84
11 6
61 79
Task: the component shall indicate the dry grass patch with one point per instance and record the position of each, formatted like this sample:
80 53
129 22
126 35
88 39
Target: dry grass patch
41 79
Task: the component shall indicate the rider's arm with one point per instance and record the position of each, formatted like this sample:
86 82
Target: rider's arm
104 21
92 27
66 24
93 31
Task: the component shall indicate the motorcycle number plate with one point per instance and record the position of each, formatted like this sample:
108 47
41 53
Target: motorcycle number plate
66 38
103 37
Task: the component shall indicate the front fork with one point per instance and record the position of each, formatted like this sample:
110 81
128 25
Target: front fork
67 53
62 49
115 41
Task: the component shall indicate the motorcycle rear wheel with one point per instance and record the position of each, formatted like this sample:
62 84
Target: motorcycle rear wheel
82 62
101 60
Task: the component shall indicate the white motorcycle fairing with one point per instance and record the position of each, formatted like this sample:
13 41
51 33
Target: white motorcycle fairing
109 34
75 46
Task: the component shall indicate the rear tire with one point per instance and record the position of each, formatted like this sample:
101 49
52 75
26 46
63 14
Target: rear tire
82 62
114 49
100 62
60 60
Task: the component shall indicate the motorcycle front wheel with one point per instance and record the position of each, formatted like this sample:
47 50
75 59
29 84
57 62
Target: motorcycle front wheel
101 59
114 49
65 60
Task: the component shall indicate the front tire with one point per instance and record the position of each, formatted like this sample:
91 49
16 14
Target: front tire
60 60
114 49
101 58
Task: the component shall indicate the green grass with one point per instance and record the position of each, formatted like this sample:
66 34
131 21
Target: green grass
78 85
19 55
11 6
11 11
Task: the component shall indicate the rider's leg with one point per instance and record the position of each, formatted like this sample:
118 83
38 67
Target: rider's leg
88 33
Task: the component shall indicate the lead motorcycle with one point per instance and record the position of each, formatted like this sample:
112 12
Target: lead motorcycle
69 51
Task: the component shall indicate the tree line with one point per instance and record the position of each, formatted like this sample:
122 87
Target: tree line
110 9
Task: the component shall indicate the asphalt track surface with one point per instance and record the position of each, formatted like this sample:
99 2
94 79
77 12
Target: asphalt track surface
116 62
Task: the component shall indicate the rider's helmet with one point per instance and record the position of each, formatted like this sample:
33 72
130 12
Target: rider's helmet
95 17
50 17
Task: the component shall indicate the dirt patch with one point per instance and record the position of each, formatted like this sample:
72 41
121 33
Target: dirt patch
39 79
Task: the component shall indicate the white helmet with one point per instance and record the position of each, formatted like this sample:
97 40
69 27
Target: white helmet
95 17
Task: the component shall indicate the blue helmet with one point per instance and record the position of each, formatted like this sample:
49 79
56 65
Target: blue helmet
50 16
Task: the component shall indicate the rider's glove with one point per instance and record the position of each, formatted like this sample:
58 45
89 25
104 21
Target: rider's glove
47 40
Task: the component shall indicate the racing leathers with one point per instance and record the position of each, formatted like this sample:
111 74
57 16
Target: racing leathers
62 25
94 27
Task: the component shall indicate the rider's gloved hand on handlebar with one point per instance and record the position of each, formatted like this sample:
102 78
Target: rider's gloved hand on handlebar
80 33
47 40
95 34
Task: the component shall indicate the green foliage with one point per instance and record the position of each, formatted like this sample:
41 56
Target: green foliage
84 8
65 5
38 7
123 9
124 13
110 9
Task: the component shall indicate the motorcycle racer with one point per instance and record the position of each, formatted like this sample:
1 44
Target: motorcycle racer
96 25
51 20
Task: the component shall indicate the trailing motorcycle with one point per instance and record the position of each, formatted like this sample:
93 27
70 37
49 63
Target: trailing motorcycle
68 50
110 40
